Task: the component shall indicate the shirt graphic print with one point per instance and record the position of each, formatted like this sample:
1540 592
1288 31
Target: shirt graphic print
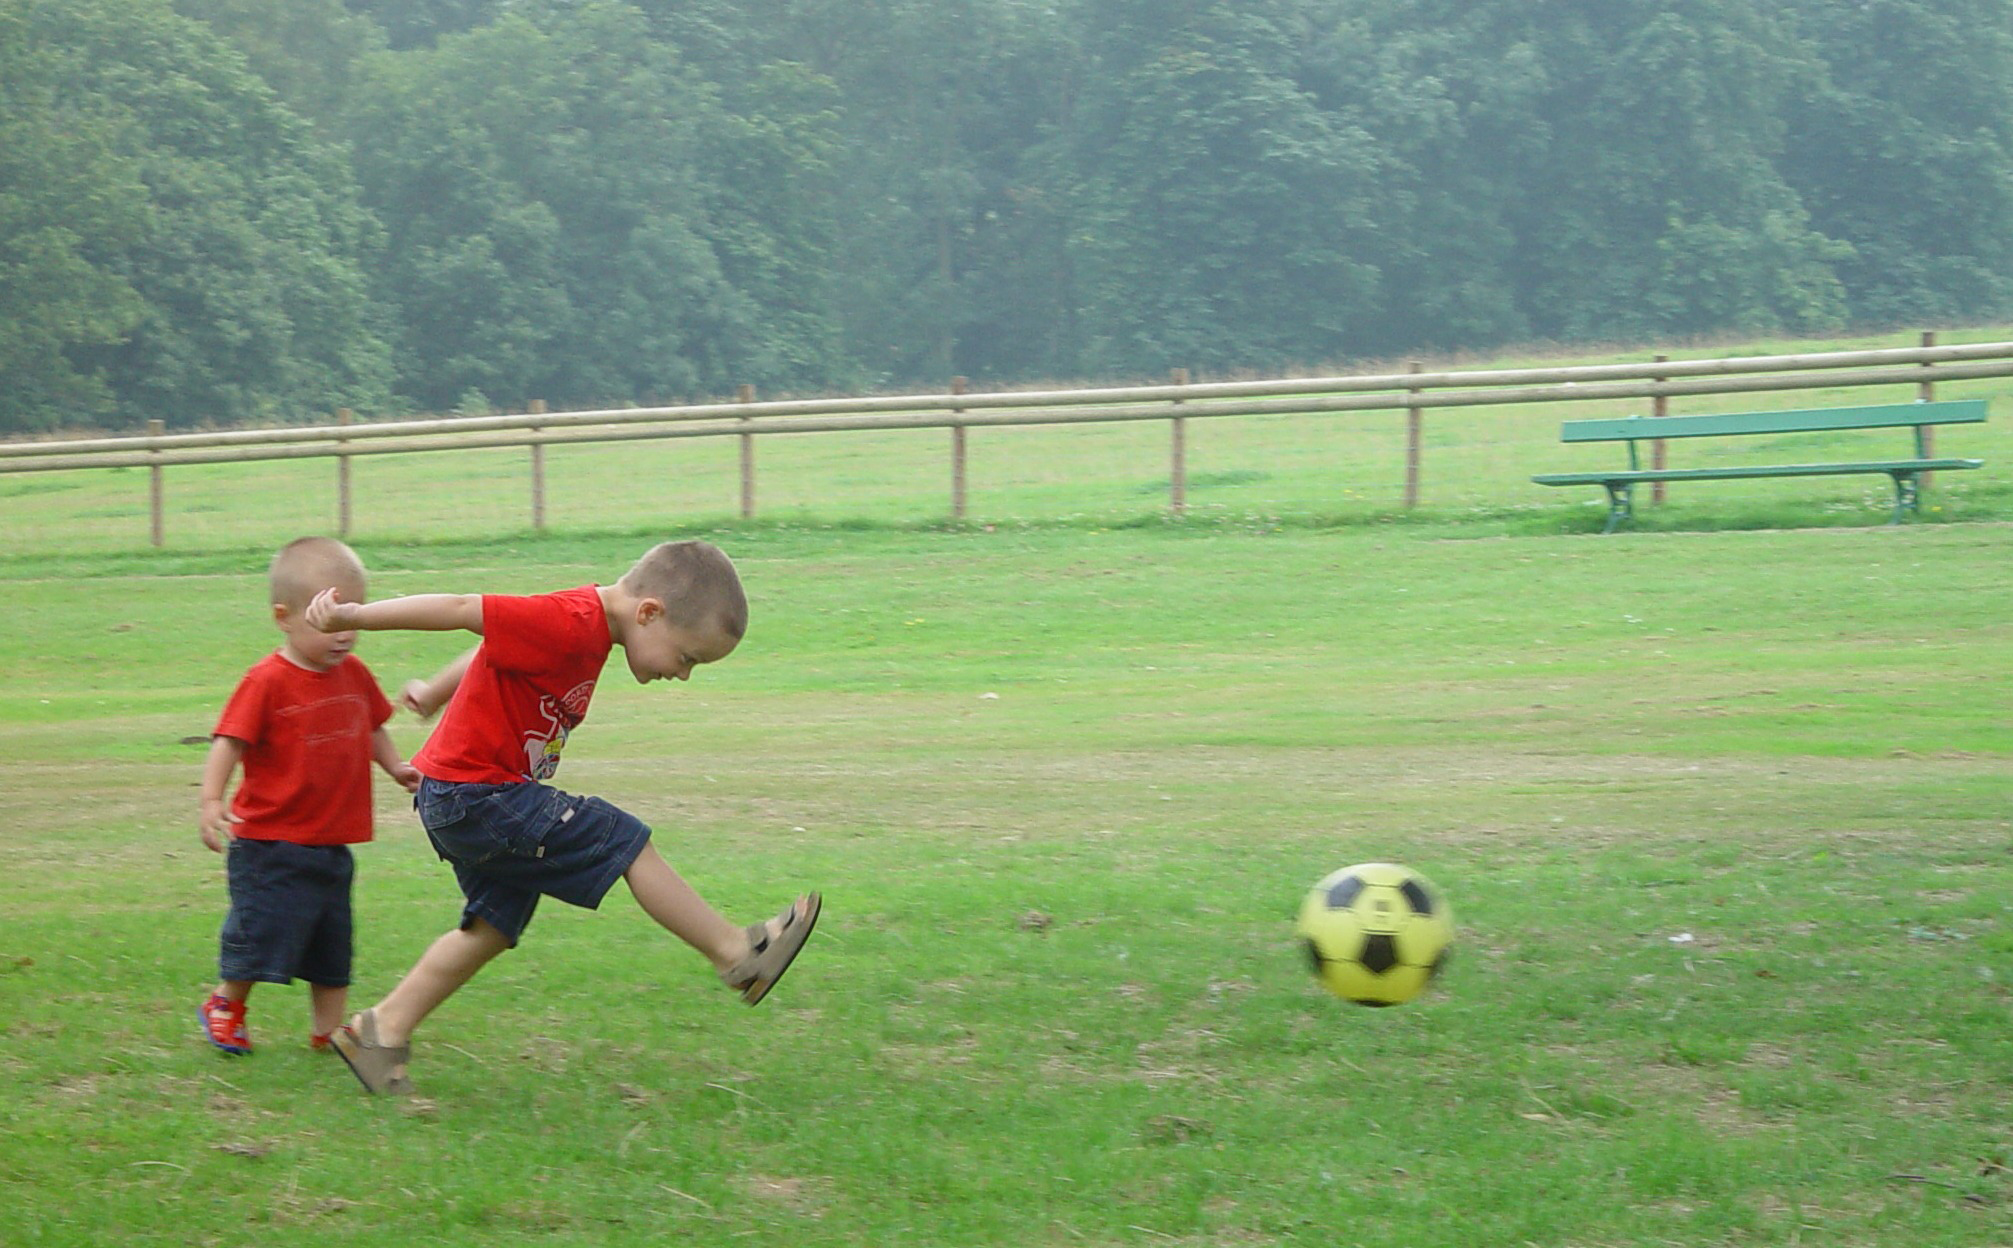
560 716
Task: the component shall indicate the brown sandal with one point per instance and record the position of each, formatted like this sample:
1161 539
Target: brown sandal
379 1067
770 953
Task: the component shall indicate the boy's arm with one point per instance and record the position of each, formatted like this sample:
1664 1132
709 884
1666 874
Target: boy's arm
425 612
225 755
424 697
385 755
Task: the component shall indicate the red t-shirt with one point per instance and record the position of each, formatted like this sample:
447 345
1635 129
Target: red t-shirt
307 751
526 688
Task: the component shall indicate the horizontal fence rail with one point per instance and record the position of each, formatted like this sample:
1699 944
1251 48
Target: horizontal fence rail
1177 403
1310 396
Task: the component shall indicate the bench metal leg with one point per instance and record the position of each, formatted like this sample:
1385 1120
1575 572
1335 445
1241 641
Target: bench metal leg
1619 507
1907 497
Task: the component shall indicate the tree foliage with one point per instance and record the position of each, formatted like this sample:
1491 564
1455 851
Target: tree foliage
572 215
1904 150
64 193
229 210
248 258
1217 191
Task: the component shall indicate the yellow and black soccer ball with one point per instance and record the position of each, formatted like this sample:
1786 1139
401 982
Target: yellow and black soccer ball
1377 933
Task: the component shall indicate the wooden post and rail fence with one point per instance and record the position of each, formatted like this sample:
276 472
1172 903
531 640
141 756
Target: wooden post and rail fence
1177 402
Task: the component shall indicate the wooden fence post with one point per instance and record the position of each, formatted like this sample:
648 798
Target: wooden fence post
154 490
1925 435
537 472
1177 455
1660 405
958 385
1414 435
343 510
746 394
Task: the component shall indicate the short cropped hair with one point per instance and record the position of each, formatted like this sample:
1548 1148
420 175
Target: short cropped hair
697 584
308 565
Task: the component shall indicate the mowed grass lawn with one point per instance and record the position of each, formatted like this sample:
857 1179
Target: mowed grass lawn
1724 818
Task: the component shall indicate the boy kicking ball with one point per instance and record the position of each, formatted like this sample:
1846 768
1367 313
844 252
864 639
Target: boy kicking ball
511 838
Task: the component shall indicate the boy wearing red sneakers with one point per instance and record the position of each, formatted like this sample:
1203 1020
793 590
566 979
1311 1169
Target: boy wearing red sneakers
305 724
511 837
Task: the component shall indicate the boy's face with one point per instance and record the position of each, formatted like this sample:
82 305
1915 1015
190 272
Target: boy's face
657 649
310 647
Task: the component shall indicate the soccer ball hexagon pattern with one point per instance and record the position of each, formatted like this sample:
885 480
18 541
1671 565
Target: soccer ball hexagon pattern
1377 933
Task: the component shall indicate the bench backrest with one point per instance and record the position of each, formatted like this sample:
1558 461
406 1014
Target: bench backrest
1631 428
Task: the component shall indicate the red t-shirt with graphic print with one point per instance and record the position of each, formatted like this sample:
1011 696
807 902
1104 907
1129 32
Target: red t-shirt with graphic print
307 751
526 688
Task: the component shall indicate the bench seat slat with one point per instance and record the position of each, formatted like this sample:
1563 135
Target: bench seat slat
1886 415
1626 477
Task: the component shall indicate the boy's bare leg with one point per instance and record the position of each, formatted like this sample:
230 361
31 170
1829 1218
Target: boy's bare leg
446 965
327 1001
667 898
233 989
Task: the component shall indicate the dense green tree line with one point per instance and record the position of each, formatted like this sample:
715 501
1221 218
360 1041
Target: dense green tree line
235 210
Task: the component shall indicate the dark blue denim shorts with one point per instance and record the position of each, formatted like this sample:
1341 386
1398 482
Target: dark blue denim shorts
290 914
511 844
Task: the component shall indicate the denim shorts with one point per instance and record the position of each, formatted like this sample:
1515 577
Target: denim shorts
290 915
510 844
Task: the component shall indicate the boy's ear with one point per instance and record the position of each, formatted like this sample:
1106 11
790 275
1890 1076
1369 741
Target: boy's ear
649 610
281 612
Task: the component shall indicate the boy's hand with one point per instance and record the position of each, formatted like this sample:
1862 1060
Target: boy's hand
216 824
407 776
327 613
425 697
418 697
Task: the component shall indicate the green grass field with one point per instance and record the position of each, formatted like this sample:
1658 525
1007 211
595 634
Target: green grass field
1724 818
1724 808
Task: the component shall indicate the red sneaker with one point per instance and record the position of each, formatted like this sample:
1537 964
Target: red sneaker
319 1041
223 1023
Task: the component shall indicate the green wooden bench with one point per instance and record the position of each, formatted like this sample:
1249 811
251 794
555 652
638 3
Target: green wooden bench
1633 429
